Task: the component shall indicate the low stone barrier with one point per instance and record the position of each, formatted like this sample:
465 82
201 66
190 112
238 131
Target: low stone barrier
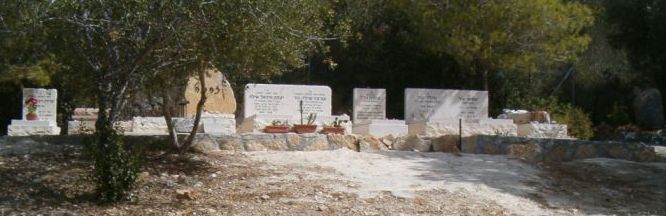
556 150
529 149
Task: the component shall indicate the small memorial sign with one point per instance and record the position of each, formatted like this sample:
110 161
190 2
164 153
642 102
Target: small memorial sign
369 104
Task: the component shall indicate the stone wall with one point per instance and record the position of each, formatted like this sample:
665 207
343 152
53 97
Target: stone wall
556 150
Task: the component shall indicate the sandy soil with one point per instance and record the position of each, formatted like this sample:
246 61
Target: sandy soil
338 182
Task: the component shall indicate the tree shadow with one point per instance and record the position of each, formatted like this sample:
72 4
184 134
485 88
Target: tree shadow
539 183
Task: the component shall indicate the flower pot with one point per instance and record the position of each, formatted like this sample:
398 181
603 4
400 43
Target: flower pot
276 129
305 128
31 116
333 130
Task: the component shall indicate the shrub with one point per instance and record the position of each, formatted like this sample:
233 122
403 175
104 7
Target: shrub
115 168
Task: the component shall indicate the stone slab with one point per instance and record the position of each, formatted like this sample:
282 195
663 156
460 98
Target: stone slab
541 130
502 127
381 129
47 100
220 95
369 104
218 126
274 99
426 104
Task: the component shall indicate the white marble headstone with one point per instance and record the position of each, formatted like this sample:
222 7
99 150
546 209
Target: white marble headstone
369 104
47 100
432 104
275 99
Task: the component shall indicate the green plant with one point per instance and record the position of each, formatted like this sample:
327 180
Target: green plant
578 122
279 123
338 122
618 115
115 169
311 118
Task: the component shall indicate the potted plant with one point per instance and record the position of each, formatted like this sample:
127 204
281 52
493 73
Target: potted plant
335 127
277 126
308 127
31 105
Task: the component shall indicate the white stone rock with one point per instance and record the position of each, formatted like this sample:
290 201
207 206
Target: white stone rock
149 126
504 127
381 128
543 130
27 128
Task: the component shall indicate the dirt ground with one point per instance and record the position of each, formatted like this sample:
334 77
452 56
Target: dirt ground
338 182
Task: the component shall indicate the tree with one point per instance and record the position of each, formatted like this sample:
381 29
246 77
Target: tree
508 35
639 27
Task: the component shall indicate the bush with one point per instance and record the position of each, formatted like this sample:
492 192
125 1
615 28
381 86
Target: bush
578 122
115 169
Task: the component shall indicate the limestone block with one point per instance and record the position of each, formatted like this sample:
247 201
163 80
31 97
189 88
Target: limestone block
316 142
230 142
204 144
435 128
337 141
543 130
370 144
380 128
149 125
412 143
185 125
267 142
220 95
219 125
28 128
80 127
447 143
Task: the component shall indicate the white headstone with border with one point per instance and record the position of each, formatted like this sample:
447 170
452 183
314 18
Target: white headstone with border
45 109
370 114
436 112
264 103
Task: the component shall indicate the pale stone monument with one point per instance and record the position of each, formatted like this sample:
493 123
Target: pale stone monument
535 124
437 112
369 114
218 116
39 114
265 103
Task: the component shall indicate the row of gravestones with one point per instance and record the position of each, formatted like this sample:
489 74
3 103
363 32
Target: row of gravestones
428 112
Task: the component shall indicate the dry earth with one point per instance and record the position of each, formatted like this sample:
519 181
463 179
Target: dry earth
338 182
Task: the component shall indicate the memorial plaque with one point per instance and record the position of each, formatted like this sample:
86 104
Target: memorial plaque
274 99
46 106
443 104
369 104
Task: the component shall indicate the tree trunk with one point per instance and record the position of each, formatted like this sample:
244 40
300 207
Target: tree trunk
167 111
485 80
200 106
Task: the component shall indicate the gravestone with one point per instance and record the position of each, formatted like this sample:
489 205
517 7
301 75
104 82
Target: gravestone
437 112
434 104
220 95
264 103
45 111
649 109
369 104
370 114
218 111
273 99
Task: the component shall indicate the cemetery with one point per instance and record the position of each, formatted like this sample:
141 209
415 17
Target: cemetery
345 107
